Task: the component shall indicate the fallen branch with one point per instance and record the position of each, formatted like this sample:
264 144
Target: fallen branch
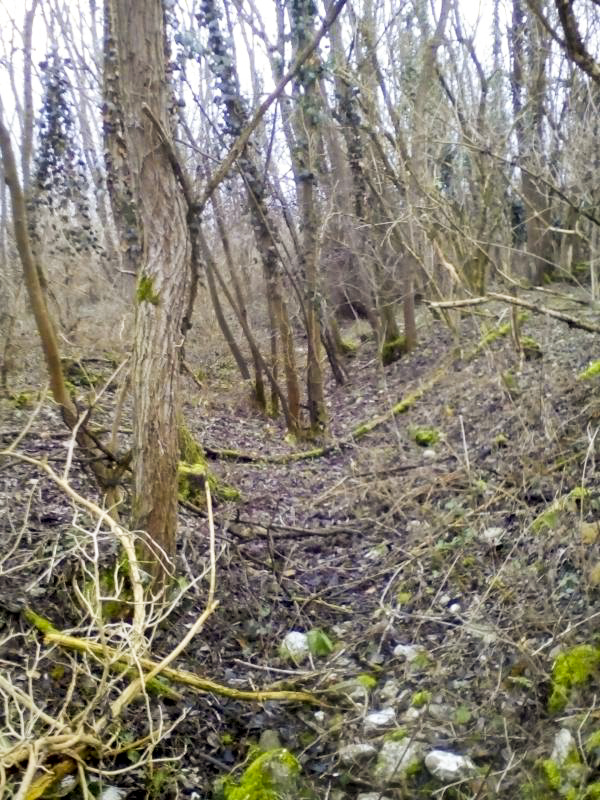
572 322
175 675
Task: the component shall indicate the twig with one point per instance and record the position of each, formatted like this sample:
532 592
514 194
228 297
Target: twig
124 536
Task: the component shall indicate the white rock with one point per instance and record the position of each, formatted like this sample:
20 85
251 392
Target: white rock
448 767
482 631
353 688
377 553
408 651
351 753
492 536
564 743
379 719
372 796
395 758
390 690
439 711
429 453
411 714
294 646
65 786
113 793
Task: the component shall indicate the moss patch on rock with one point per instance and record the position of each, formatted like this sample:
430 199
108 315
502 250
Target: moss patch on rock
425 437
274 775
572 669
590 372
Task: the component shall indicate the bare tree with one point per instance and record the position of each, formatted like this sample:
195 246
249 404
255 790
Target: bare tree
164 269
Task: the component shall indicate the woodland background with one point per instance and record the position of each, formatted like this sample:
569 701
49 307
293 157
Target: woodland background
249 238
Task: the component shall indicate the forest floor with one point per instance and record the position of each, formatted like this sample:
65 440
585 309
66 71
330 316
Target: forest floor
479 553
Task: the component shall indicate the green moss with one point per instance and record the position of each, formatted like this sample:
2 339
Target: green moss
193 473
406 403
145 291
547 520
228 493
366 680
496 333
347 347
57 672
192 479
362 430
552 773
189 449
590 372
392 350
462 715
23 399
425 437
160 781
560 779
396 735
592 792
592 742
42 624
271 776
191 482
115 591
420 699
319 643
572 669
579 493
76 375
510 382
500 441
531 349
571 501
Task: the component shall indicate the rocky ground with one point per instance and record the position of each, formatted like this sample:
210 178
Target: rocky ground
445 566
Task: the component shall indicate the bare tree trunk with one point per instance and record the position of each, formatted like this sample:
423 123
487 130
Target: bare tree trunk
35 291
27 149
240 307
309 108
118 177
528 78
164 270
222 322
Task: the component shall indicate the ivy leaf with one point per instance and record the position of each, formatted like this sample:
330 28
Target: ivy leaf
319 643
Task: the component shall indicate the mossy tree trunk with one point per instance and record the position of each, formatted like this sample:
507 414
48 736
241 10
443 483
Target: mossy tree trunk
164 270
263 224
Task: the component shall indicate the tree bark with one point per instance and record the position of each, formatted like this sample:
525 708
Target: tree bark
164 271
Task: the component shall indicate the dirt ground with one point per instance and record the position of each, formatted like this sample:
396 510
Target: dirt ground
381 542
